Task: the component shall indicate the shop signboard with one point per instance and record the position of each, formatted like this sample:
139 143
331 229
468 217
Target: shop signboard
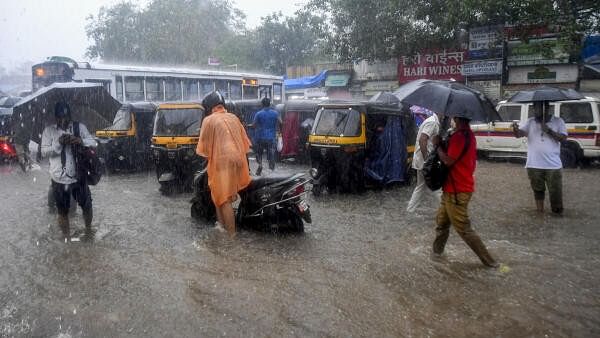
476 68
485 42
435 65
543 74
337 79
536 52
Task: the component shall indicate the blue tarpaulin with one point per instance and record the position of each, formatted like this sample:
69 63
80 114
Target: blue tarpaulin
591 49
386 162
305 82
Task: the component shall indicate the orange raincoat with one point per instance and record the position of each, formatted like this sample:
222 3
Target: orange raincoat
223 141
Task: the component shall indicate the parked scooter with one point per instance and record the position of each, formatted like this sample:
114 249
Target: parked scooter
267 202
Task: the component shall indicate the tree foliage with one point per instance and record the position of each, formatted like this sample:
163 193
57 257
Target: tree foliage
383 29
166 31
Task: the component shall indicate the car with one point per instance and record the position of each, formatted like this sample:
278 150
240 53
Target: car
582 118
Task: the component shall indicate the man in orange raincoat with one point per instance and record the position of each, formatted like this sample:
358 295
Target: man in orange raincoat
224 143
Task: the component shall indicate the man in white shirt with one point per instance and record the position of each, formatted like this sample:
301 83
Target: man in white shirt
60 143
544 134
427 131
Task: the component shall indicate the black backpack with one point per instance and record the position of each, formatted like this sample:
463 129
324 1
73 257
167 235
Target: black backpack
435 172
89 166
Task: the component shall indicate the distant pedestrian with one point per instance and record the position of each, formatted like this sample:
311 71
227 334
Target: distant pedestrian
266 121
457 192
224 143
61 144
544 133
429 129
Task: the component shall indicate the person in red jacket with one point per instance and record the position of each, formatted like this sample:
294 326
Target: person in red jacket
458 189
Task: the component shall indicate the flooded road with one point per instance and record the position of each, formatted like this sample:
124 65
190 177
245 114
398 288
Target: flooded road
362 269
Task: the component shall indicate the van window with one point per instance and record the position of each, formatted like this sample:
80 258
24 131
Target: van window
530 110
510 113
576 112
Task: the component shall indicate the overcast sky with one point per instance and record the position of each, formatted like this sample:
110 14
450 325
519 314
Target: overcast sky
31 30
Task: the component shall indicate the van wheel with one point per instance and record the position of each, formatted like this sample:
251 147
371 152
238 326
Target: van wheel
568 156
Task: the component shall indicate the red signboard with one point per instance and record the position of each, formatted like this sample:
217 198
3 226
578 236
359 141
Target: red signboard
439 65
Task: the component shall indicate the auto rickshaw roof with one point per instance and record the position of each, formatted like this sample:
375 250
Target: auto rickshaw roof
140 107
301 105
180 105
369 107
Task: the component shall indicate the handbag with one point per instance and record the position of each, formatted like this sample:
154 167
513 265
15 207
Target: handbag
435 171
89 166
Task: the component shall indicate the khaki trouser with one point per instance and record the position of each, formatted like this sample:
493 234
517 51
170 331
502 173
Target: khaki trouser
453 210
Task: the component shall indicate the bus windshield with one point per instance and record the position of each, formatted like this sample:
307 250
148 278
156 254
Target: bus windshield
122 120
177 122
338 122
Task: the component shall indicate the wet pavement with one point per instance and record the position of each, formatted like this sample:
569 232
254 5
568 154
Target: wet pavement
362 269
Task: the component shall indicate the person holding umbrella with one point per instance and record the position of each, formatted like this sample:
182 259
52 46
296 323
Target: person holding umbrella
60 142
544 133
460 158
463 104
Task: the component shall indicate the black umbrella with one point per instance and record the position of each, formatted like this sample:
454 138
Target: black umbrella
449 98
385 98
90 104
546 93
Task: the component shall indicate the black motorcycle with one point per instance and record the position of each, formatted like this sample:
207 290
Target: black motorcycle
267 202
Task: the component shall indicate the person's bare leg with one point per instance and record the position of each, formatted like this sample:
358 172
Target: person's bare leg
228 218
539 205
219 215
63 223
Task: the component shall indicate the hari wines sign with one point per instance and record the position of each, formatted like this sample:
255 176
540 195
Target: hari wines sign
444 65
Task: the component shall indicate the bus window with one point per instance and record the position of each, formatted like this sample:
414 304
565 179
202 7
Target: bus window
190 90
154 89
277 92
206 86
134 88
236 90
264 91
119 87
250 92
105 83
47 73
173 89
223 87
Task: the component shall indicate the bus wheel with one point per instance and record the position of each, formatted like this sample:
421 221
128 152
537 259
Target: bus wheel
568 156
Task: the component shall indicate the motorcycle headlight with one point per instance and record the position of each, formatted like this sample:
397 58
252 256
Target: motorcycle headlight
313 172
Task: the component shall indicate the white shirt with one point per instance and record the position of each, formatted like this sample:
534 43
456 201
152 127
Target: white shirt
429 127
543 151
52 148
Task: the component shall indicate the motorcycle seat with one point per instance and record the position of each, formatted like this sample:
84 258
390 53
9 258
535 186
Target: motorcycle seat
260 182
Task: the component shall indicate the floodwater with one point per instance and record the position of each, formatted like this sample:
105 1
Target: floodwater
362 269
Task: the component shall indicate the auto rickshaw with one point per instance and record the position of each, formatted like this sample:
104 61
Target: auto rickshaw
353 145
126 143
174 141
298 118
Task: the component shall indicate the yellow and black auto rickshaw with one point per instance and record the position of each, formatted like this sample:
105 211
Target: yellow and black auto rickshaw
174 141
357 144
126 144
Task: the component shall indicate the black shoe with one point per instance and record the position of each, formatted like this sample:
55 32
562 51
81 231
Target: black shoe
258 171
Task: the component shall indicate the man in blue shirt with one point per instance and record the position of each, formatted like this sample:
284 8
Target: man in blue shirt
267 122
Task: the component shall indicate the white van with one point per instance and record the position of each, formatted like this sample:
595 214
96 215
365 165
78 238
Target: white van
582 117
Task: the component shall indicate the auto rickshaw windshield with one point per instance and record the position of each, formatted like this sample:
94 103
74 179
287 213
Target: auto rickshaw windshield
338 122
177 122
122 120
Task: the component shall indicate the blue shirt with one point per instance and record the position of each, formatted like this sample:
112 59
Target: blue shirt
265 122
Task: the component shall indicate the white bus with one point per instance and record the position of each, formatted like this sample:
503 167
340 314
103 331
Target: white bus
159 84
